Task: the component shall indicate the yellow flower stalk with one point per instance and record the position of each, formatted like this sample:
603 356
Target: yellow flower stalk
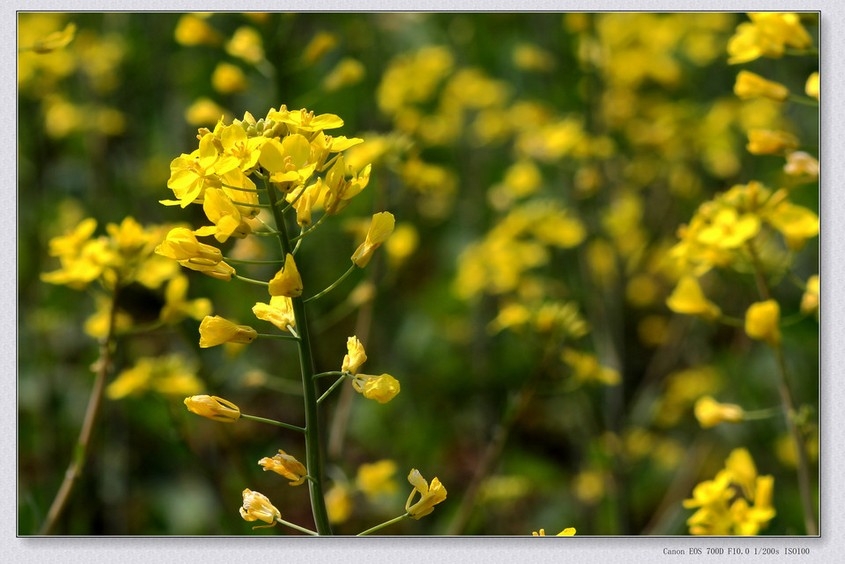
381 227
750 85
213 407
287 281
430 495
285 465
710 413
355 356
257 507
761 322
689 299
216 330
381 388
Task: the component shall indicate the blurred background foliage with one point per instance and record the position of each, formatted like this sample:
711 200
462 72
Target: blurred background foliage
539 166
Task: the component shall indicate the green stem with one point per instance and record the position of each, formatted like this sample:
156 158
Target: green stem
383 525
250 261
252 280
313 454
806 101
333 285
273 422
331 388
278 336
297 527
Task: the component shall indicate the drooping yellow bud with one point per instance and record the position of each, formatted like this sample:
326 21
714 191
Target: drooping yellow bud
214 408
380 229
257 507
750 85
430 495
287 466
381 388
761 322
287 282
355 357
689 299
710 413
279 312
216 330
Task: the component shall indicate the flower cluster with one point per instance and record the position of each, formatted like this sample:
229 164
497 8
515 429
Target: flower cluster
736 502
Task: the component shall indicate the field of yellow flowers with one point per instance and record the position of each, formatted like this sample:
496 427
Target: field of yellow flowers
418 273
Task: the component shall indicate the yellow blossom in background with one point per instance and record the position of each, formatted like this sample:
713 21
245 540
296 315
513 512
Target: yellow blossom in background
355 356
216 330
213 407
530 57
204 111
430 495
287 281
376 479
279 312
169 375
228 79
762 322
192 29
729 230
688 298
339 503
401 244
589 486
246 44
54 41
285 465
811 88
770 142
381 388
751 85
346 72
177 307
257 507
567 532
795 223
320 44
586 368
767 35
710 413
736 502
380 229
799 163
810 299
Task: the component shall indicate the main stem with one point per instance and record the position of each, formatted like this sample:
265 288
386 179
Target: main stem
313 454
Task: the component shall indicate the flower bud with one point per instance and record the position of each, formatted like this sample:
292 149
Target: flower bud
214 408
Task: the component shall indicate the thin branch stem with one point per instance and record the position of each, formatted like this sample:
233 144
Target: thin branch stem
383 525
334 285
337 383
297 527
273 422
92 412
251 280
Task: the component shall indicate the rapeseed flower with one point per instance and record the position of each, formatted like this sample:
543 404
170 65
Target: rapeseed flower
216 330
762 322
213 407
285 465
430 495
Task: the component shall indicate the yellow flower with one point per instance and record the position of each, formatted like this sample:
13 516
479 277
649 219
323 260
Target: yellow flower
225 215
355 356
168 375
216 330
338 503
689 299
287 466
710 413
347 71
795 223
810 299
257 507
228 78
320 44
769 142
430 495
799 163
376 479
567 532
177 307
380 229
54 41
812 86
181 244
193 30
751 85
586 368
279 312
246 44
766 35
379 388
213 407
761 322
287 281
